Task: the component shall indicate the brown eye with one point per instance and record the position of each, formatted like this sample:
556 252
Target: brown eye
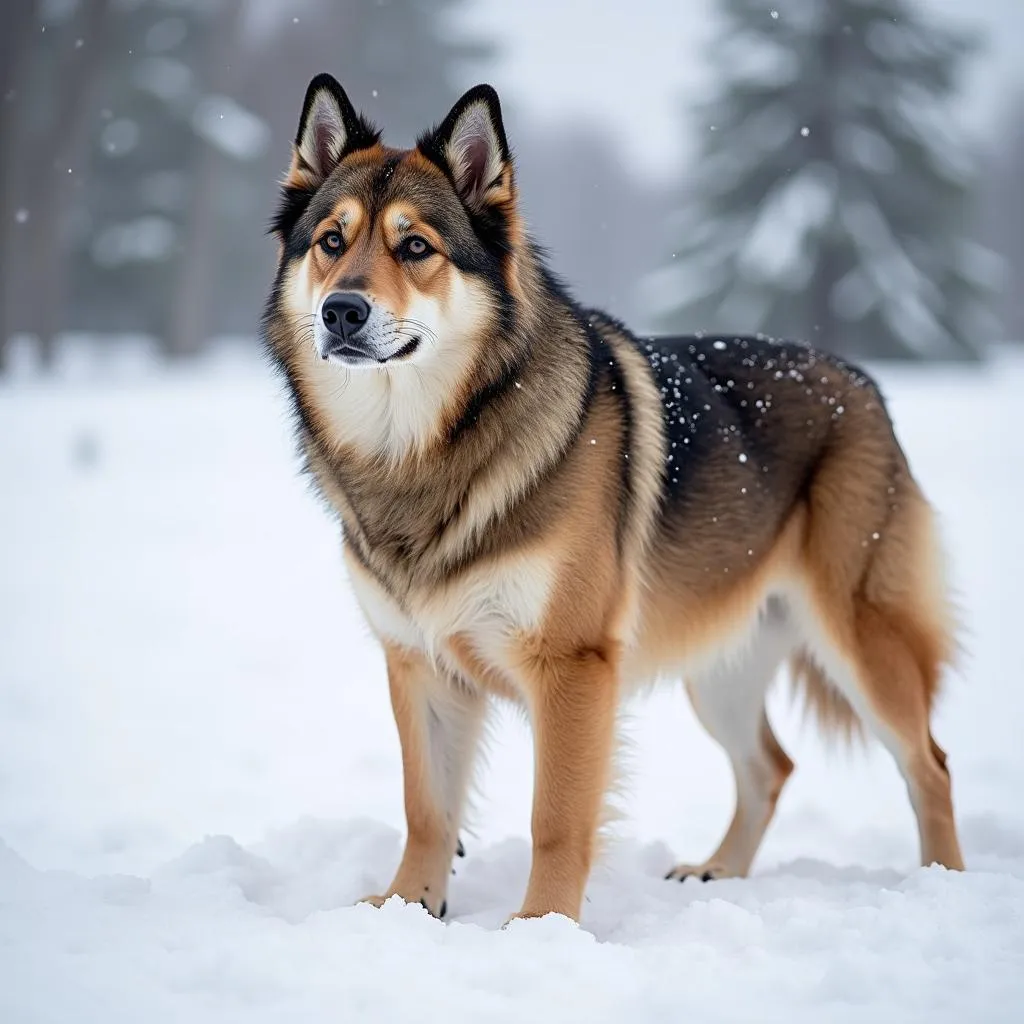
331 243
414 248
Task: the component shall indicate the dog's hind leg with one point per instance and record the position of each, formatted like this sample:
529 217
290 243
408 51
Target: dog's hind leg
729 702
876 618
439 725
883 667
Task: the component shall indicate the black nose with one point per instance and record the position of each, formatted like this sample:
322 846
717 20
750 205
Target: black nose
344 314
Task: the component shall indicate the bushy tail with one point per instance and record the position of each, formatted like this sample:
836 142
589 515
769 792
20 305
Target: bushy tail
832 711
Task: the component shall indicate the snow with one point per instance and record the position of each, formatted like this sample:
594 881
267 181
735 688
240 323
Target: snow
862 146
780 245
753 60
199 774
910 301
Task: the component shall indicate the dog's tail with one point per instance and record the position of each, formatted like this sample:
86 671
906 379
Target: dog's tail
832 711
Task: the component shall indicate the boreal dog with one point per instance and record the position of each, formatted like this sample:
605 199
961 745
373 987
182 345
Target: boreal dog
538 506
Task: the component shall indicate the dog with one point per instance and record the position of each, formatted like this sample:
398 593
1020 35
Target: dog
538 506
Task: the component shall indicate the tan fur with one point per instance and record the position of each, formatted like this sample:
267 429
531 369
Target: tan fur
541 533
433 805
832 710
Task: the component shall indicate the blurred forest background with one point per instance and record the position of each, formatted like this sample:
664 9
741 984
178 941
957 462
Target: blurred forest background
831 191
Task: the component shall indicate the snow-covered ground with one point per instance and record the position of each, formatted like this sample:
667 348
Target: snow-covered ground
199 773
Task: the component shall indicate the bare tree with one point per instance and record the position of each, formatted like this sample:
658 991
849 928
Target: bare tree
44 141
15 52
190 324
1003 215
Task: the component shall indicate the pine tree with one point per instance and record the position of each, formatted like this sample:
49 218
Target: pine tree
830 196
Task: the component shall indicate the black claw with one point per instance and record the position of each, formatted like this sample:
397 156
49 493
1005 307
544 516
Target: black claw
707 876
460 850
440 914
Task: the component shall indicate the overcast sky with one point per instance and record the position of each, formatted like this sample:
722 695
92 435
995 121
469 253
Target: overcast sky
632 64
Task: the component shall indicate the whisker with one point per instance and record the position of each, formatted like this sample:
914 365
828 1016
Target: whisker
342 387
417 326
415 323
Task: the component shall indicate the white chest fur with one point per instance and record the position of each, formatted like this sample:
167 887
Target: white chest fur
488 606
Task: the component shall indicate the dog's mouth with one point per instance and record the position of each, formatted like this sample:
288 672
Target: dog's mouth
406 350
356 354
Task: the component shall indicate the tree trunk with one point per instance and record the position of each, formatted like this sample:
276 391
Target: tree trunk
190 317
51 266
15 48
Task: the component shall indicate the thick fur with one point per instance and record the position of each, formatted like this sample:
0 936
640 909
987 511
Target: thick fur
538 506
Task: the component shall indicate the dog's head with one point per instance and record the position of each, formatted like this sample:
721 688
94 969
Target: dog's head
394 258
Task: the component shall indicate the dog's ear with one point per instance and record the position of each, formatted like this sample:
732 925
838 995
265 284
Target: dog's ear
470 145
329 129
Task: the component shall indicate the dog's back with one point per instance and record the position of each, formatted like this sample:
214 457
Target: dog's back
790 528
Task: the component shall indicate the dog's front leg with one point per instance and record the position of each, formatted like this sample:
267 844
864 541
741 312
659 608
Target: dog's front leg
573 703
439 723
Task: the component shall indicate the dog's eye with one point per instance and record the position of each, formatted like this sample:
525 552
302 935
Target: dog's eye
331 243
414 248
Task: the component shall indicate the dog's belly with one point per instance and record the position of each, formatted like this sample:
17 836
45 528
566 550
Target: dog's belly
487 608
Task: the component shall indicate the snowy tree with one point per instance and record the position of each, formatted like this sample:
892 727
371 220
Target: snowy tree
399 60
48 73
1003 214
172 167
143 143
112 122
830 196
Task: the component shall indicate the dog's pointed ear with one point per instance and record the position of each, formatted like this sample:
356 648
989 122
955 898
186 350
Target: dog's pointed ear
329 129
470 145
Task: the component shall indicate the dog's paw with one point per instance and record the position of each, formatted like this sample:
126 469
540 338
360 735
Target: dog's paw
379 901
530 915
707 872
520 916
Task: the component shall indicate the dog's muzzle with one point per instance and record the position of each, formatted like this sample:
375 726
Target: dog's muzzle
344 315
354 333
